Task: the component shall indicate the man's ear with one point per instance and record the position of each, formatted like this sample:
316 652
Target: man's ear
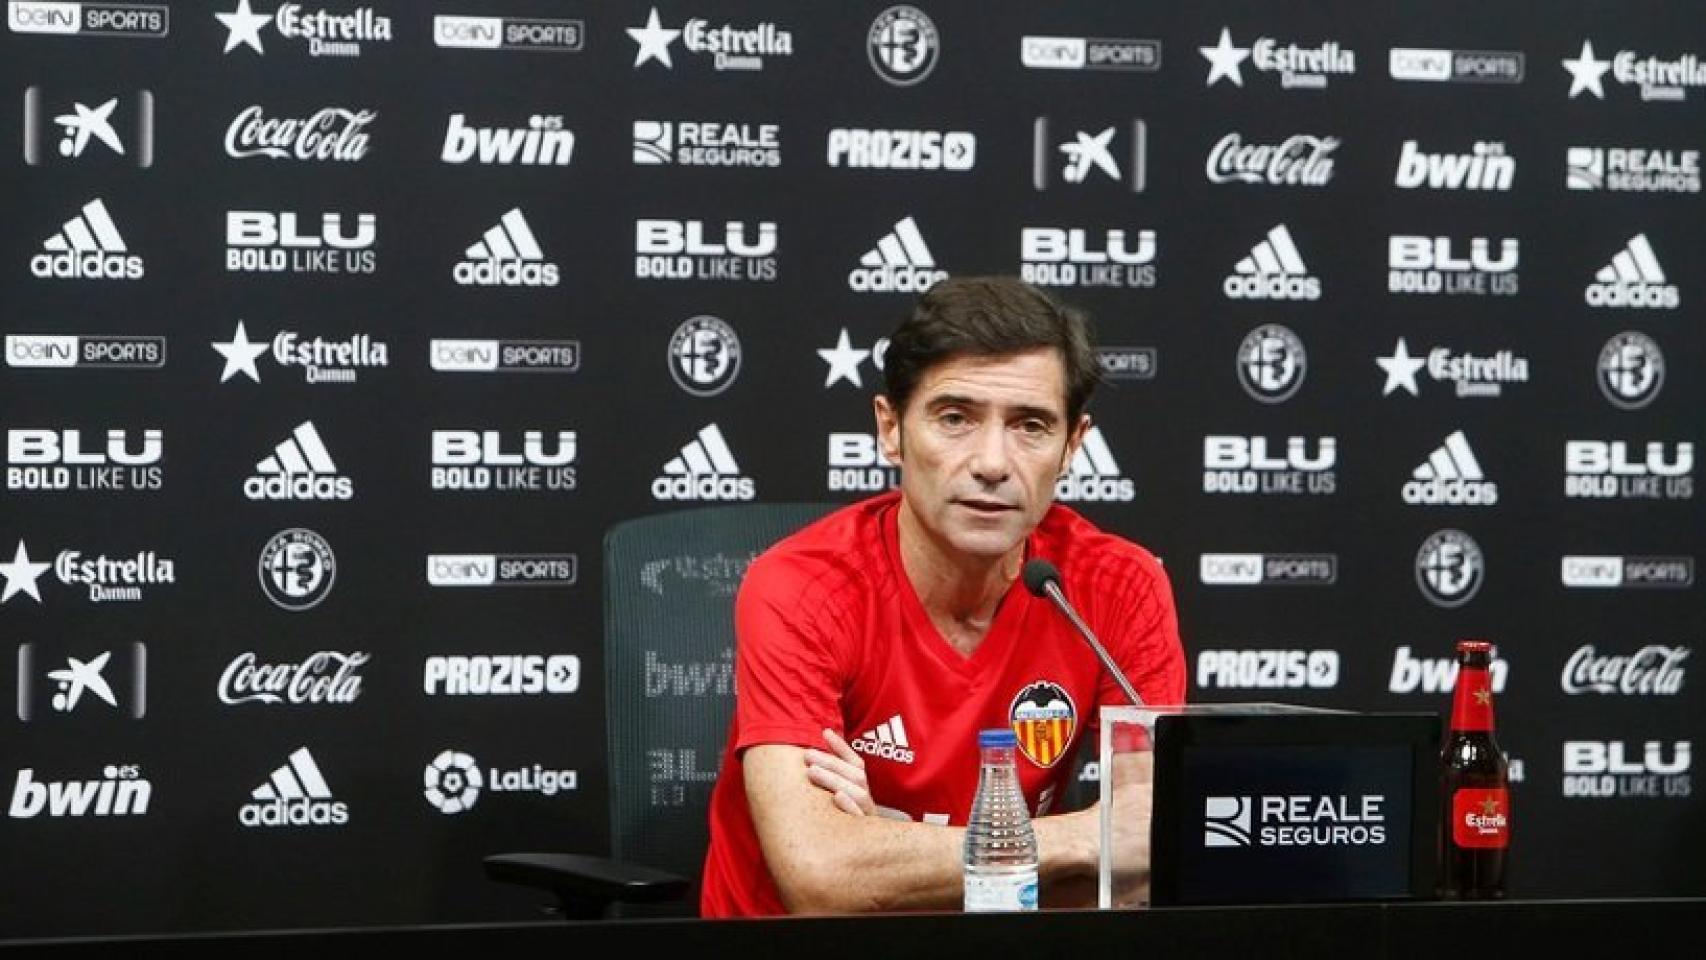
888 427
1074 440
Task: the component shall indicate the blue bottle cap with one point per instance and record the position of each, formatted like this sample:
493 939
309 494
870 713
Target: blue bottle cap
997 737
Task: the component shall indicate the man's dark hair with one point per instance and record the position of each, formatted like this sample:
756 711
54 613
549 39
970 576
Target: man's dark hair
985 317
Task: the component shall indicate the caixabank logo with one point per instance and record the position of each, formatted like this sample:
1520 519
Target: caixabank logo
1075 257
88 131
489 461
63 461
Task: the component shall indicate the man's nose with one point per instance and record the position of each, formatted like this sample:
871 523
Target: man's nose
991 460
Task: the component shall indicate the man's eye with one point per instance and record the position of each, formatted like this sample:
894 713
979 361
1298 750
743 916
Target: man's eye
1035 428
953 418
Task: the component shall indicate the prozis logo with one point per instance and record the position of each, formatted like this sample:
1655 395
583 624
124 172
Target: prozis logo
1342 820
697 250
1093 475
706 143
1616 469
1413 674
1072 257
901 262
1604 769
51 461
1659 79
324 677
108 580
1485 167
121 791
294 795
1301 160
1472 375
85 352
507 255
859 148
87 247
1274 270
1451 476
508 33
1633 278
299 468
321 360
1245 465
483 461
1433 65
453 781
89 131
705 469
505 356
730 47
261 241
1632 170
324 33
1268 569
1655 670
502 675
542 142
337 134
502 569
1090 53
1435 265
1098 154
149 21
1584 572
1299 67
1267 669
856 463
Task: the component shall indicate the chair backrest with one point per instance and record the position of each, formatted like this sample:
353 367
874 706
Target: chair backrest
669 588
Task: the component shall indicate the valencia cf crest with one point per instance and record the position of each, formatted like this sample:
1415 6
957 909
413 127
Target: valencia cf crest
1044 719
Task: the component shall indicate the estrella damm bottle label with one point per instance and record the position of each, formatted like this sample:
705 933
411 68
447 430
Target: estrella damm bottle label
1481 819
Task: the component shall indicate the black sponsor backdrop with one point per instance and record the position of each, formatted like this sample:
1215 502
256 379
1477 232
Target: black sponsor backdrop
189 865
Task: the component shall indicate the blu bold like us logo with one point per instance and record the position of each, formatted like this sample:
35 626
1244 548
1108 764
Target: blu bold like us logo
686 250
261 241
1059 257
1606 470
481 461
856 463
59 460
1243 465
1435 265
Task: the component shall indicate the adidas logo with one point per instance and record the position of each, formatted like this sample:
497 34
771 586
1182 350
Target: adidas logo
1274 270
900 263
704 470
87 247
299 469
507 256
886 741
295 795
1633 278
1093 474
1452 476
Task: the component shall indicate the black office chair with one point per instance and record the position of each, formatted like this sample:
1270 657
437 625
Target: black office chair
669 587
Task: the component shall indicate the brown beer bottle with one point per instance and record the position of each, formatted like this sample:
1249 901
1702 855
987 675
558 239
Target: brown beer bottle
1474 787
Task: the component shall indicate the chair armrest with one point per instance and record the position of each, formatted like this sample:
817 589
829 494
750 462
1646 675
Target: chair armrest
586 886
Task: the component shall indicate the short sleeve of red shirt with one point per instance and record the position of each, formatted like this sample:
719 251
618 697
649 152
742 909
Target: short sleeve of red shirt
786 668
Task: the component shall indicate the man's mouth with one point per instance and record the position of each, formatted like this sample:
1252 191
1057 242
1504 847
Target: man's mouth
986 507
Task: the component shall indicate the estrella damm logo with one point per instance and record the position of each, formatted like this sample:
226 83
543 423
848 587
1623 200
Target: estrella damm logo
1043 718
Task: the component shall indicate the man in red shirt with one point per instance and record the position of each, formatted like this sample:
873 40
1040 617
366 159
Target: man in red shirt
874 644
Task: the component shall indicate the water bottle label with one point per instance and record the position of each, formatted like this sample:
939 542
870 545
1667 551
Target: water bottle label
986 894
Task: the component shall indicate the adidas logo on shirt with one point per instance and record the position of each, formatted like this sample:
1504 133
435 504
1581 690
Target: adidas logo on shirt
300 468
886 741
1093 474
900 263
1451 476
506 256
1633 278
1274 270
296 795
704 470
87 247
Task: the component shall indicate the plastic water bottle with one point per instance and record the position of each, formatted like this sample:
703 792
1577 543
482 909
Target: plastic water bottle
1001 845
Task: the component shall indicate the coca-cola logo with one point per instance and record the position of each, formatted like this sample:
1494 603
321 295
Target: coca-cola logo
1654 670
333 133
1302 160
324 677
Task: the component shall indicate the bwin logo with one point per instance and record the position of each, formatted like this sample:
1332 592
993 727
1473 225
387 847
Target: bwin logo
1274 270
900 263
1093 475
1226 822
120 792
1412 674
1487 167
704 470
542 143
1633 279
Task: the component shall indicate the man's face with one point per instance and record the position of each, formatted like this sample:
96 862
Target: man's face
980 445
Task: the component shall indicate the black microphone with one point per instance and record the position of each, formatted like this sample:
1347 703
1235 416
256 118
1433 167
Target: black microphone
1043 580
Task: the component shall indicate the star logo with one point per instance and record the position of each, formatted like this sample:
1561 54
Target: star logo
1090 151
243 26
78 678
240 353
85 123
843 361
21 575
654 42
1400 370
1224 59
1489 807
1483 697
1586 72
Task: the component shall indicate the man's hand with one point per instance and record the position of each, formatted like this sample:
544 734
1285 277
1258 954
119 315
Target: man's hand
842 773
